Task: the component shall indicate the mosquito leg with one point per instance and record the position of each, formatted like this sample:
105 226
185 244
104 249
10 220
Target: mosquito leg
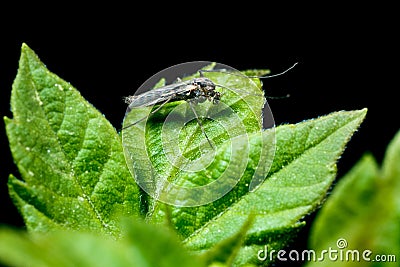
151 113
200 124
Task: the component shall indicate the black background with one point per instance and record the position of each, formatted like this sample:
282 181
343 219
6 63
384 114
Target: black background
347 60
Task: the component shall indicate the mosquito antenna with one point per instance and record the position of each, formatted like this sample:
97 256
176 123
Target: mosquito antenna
260 77
277 74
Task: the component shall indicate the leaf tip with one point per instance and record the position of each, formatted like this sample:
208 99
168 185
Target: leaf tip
25 47
364 111
360 114
28 52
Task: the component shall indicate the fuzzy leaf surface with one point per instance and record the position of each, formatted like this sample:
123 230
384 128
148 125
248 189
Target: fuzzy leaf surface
74 174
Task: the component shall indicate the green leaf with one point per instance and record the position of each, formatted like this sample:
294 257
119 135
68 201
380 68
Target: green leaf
69 156
143 245
303 170
363 213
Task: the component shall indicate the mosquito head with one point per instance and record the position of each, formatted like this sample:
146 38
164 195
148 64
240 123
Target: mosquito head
216 97
205 90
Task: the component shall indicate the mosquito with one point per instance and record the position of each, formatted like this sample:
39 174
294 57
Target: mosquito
194 91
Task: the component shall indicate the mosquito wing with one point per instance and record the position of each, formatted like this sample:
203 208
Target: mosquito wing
159 95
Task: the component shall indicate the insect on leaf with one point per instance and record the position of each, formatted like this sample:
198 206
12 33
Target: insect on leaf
169 154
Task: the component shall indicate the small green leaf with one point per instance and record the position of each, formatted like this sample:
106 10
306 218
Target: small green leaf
70 157
227 250
160 246
391 166
363 213
143 245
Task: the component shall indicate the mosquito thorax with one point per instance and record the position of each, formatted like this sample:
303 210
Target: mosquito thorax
204 83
